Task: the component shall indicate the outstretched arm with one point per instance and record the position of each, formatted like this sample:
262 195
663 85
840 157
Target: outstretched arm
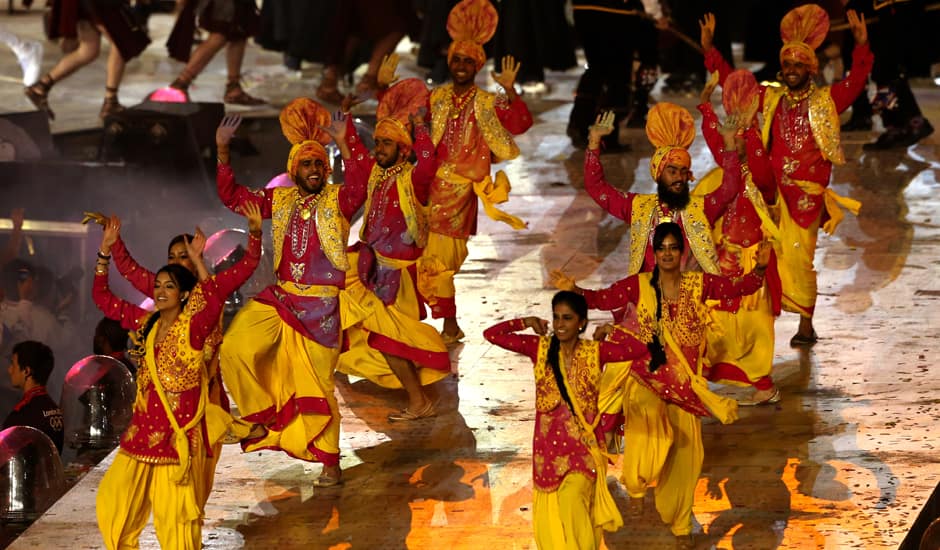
609 198
232 194
717 287
505 335
112 245
513 114
845 91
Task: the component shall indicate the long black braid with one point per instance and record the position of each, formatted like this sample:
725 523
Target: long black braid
578 304
655 347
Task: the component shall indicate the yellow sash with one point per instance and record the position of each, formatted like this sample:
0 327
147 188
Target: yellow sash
490 193
832 202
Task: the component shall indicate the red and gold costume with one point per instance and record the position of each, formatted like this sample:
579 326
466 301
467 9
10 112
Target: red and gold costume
662 431
382 280
470 131
281 349
571 502
159 465
741 341
802 133
671 129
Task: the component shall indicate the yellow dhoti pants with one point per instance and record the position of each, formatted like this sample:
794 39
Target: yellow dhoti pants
743 339
441 261
130 489
662 446
795 252
398 322
276 373
564 519
611 387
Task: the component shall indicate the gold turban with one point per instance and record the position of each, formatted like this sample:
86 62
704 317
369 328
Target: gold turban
301 122
739 91
670 129
394 112
803 29
471 24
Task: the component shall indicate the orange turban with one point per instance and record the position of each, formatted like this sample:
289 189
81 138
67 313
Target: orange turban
301 122
670 129
803 29
739 91
471 24
394 111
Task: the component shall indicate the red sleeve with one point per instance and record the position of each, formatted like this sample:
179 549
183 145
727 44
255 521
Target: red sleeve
718 200
138 276
234 195
623 292
723 288
514 116
758 161
622 347
710 131
217 288
352 195
115 308
845 91
610 199
427 165
715 62
504 335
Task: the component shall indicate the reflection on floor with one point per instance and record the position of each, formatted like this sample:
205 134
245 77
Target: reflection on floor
846 459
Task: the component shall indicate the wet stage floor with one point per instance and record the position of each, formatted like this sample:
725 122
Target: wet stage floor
845 460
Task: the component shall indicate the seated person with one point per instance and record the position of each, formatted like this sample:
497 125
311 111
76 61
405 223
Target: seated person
30 366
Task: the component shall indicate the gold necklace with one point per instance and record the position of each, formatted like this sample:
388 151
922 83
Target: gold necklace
794 98
460 102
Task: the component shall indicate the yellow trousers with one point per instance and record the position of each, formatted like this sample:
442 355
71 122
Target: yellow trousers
795 253
662 447
274 371
564 519
440 262
130 489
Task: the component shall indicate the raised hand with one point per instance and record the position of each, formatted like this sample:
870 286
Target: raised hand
707 26
349 101
603 125
253 212
195 247
226 130
561 280
709 88
96 217
386 75
857 26
507 76
539 326
602 332
337 127
419 117
112 230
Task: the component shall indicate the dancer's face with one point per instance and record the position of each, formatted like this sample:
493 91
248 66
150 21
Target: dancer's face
795 74
463 69
668 254
386 152
178 255
673 186
166 292
566 323
310 176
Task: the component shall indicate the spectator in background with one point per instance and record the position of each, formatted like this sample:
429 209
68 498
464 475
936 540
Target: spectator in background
27 318
111 340
30 366
434 40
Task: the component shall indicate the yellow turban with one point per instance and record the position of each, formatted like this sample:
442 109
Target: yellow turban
471 23
301 122
670 129
398 104
803 29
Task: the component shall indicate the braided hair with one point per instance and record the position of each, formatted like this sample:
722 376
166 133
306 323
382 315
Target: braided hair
663 230
186 282
578 305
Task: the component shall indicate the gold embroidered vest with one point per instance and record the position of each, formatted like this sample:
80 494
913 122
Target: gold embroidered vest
497 138
415 213
693 220
687 325
583 378
332 226
823 120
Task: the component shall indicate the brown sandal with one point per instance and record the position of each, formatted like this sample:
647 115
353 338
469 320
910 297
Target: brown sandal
111 105
38 94
235 95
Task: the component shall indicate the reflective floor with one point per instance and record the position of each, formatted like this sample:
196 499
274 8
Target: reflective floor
845 460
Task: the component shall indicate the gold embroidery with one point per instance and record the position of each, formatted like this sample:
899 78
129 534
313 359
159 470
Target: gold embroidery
497 138
561 464
685 323
823 120
154 438
415 213
332 226
297 270
693 220
131 432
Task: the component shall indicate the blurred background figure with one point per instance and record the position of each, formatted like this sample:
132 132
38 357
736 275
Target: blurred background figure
111 340
297 28
28 53
31 364
434 40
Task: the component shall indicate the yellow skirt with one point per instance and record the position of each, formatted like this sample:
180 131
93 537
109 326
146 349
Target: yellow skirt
130 489
744 339
564 519
397 326
284 381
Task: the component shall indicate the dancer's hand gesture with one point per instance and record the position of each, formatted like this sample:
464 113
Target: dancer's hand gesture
226 130
709 88
349 101
539 326
386 75
602 332
603 125
112 231
857 25
252 212
337 127
561 280
507 76
707 26
195 246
